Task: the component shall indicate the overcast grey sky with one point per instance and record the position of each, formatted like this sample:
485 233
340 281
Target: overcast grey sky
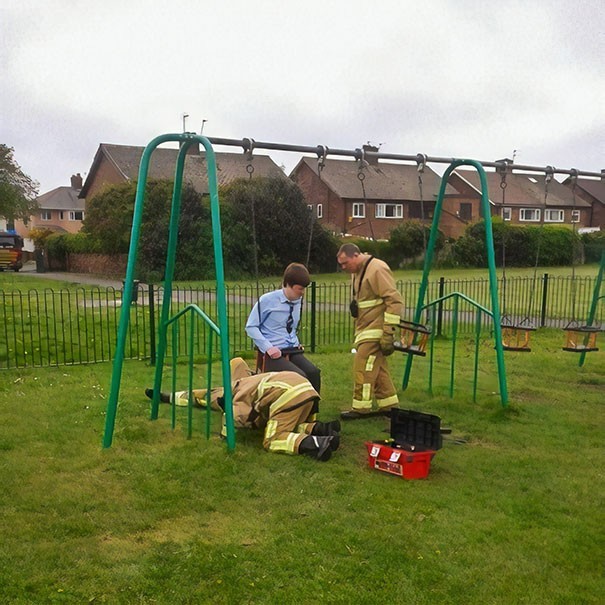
456 78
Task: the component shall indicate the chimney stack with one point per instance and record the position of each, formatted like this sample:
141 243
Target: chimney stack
369 159
76 181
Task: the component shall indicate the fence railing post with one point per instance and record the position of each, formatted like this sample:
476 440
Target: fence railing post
151 294
544 297
313 314
440 305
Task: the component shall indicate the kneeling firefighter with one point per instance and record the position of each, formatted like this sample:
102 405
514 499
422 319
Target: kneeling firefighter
283 404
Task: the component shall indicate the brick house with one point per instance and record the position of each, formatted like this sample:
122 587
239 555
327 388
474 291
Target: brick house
388 194
524 198
114 164
593 192
60 210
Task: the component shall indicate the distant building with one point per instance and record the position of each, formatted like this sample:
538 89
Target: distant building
593 192
114 164
371 200
59 210
525 200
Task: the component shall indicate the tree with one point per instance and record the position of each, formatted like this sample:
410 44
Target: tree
108 222
273 212
17 190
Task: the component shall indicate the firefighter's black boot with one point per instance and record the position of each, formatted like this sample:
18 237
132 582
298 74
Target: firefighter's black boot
319 448
164 397
326 428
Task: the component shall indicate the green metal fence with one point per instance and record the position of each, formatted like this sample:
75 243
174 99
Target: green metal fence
78 325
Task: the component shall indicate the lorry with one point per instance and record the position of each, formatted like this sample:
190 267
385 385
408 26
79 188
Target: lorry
11 251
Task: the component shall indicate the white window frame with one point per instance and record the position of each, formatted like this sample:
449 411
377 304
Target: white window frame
535 215
381 211
61 215
72 215
507 213
46 215
320 211
359 210
310 207
554 215
575 216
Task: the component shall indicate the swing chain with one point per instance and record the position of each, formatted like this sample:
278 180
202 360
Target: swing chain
322 152
248 145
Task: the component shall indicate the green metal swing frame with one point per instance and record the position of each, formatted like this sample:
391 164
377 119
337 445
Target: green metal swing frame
494 313
221 328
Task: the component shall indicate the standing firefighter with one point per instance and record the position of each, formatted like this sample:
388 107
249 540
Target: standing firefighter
281 403
376 306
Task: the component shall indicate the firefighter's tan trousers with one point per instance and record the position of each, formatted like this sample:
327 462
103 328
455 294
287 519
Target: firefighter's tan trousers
372 379
287 426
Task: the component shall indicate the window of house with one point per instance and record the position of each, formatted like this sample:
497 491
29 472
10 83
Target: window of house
529 214
76 215
389 210
553 216
506 214
320 210
466 211
415 210
359 210
575 216
310 207
46 215
61 215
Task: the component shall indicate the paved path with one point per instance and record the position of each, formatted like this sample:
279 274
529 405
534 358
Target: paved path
29 269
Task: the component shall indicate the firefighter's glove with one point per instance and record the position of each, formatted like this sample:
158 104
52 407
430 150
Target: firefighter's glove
386 342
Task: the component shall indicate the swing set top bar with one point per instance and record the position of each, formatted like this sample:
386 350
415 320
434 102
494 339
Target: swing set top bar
248 145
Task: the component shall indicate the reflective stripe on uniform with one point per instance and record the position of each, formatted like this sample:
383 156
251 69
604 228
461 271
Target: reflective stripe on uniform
270 429
289 394
391 318
366 391
286 446
370 334
362 404
367 304
370 363
387 401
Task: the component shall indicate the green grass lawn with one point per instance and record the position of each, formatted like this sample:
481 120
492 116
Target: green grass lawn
511 512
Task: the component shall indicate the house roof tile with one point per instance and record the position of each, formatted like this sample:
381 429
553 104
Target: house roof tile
61 198
229 166
523 190
383 181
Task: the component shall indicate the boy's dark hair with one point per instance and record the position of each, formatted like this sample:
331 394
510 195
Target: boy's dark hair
296 275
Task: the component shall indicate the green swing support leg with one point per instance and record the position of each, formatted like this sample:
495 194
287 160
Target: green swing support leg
491 263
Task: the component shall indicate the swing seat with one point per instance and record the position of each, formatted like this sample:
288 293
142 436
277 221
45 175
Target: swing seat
414 337
580 339
516 336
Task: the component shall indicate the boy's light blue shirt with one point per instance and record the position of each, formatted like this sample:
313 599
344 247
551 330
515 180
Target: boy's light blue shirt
268 328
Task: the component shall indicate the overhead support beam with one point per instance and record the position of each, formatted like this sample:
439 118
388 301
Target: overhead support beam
322 151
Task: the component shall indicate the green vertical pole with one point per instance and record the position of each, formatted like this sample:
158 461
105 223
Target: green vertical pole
454 336
118 361
220 288
190 383
476 365
175 341
173 231
593 304
209 384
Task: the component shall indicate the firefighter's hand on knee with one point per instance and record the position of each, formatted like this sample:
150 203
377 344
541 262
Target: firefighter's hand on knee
386 343
274 352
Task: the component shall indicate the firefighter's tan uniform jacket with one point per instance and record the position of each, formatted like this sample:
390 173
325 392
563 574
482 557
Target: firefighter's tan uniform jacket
281 403
379 311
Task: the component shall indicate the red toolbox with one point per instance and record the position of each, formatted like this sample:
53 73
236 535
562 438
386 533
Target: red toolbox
415 438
